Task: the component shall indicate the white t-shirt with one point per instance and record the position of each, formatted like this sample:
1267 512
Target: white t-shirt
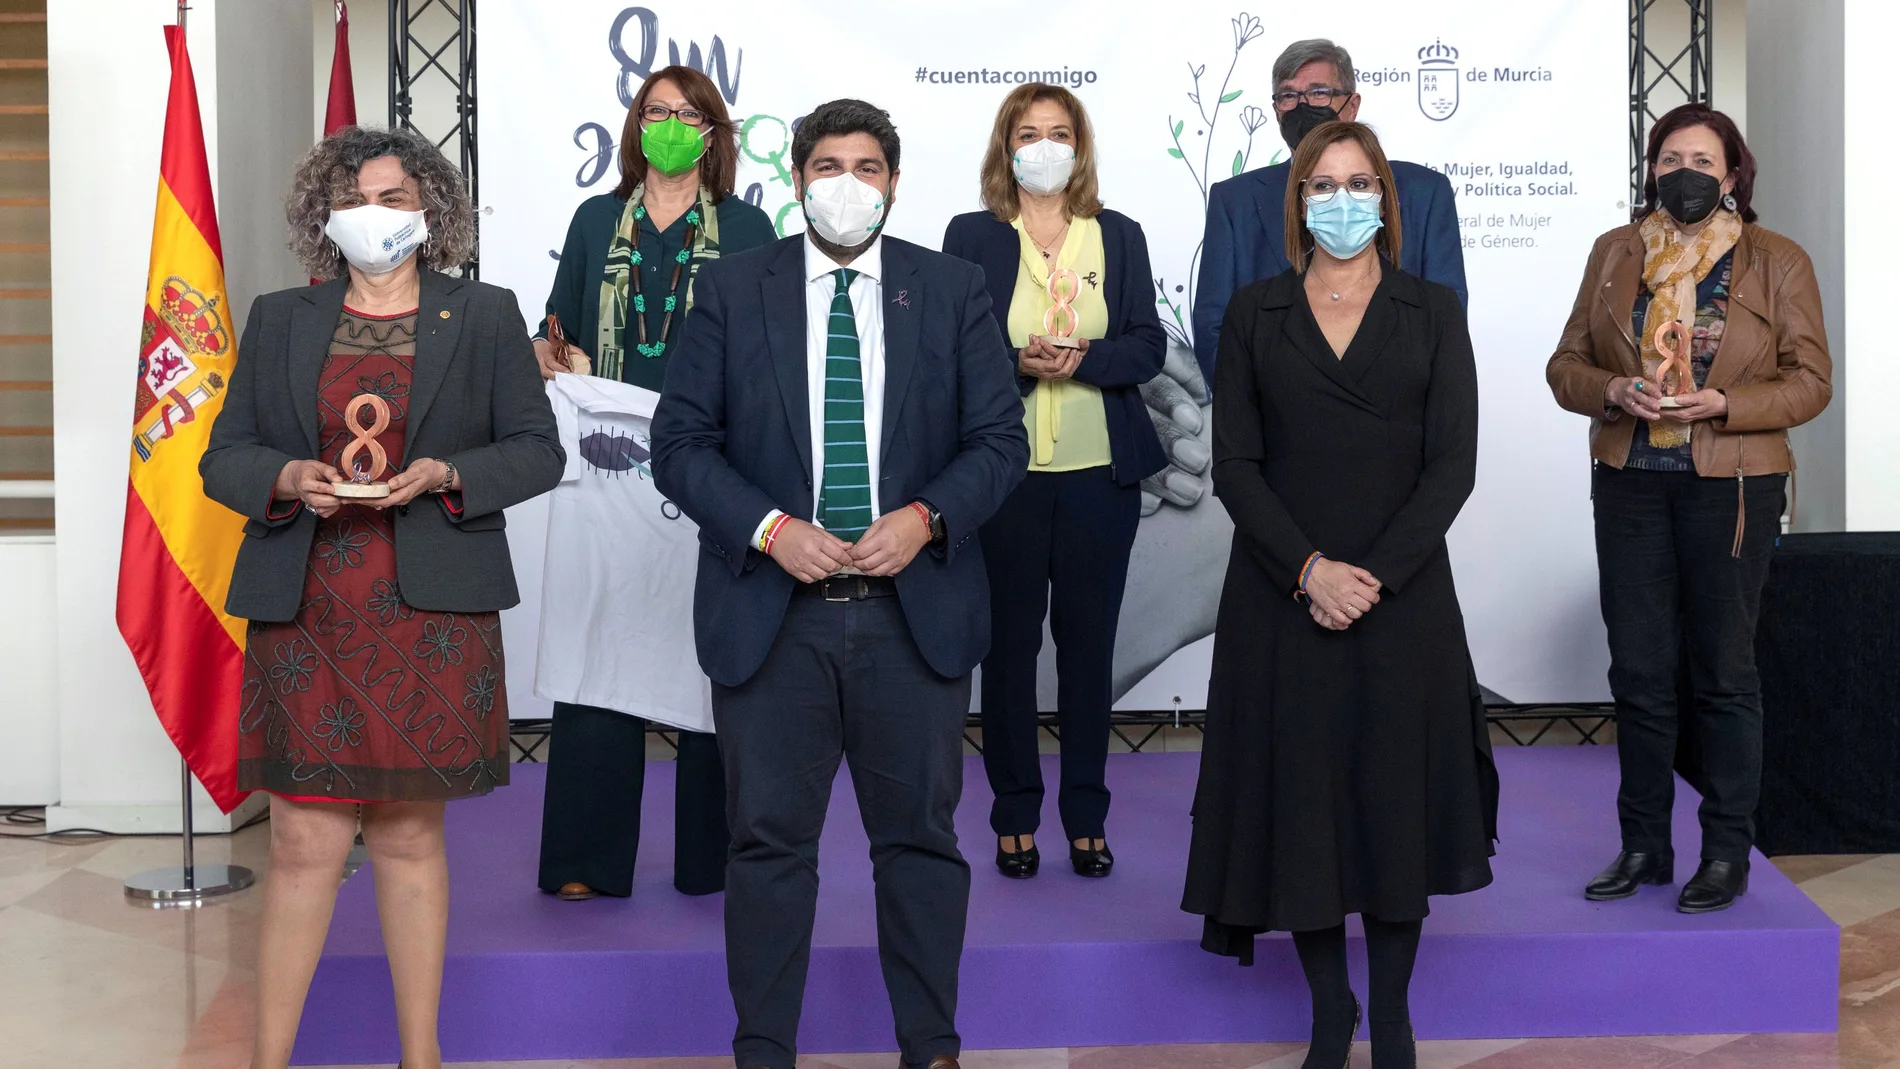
617 587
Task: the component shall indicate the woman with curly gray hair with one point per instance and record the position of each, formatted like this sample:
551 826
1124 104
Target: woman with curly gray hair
377 425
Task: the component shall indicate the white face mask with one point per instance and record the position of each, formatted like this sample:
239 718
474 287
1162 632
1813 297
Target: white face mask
844 210
374 239
1043 167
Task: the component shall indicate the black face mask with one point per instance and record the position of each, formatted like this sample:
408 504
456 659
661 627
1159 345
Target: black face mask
1303 120
1688 195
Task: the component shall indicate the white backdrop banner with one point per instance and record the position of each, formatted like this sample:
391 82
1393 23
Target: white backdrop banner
1523 106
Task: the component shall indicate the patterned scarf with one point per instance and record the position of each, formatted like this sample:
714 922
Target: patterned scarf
617 284
1672 266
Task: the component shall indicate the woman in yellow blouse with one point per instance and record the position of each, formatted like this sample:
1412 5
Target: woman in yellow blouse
1060 266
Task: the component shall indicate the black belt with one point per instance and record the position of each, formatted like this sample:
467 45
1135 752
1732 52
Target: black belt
850 587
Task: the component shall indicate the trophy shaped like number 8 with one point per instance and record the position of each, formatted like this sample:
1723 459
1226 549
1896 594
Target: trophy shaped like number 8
1060 312
361 483
1675 375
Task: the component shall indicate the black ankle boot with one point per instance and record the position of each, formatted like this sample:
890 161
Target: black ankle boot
1715 887
1631 870
1022 864
1393 1046
1331 1046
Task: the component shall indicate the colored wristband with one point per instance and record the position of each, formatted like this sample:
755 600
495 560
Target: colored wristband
922 511
771 533
1306 570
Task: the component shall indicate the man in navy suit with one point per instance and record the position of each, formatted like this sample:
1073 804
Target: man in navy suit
841 417
1246 214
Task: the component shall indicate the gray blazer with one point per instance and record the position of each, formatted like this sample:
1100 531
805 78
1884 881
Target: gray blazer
477 402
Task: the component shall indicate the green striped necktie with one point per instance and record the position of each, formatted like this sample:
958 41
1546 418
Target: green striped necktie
844 498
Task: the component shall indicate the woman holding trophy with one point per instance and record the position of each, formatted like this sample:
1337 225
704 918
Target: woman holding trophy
1696 342
376 427
1071 289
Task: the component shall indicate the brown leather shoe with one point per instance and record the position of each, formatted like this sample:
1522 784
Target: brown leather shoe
576 892
942 1061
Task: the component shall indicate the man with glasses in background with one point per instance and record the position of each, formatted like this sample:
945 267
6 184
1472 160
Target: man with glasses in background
1246 216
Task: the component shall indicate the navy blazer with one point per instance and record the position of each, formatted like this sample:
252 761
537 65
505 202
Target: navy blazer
1118 364
732 441
1246 241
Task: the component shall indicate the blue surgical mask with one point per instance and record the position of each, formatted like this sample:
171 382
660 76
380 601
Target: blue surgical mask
1344 223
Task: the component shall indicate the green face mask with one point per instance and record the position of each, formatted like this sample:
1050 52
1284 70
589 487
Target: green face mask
671 146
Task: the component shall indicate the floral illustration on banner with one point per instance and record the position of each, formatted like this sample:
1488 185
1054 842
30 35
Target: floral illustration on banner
1209 104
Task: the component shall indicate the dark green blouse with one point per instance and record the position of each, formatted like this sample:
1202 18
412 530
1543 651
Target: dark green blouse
575 297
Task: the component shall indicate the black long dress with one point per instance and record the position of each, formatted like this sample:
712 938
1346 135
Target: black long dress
1343 772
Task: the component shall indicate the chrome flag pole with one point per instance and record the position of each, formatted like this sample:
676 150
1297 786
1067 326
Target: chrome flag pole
187 884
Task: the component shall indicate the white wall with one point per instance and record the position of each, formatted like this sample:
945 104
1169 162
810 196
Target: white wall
266 92
1797 57
107 76
1870 276
29 705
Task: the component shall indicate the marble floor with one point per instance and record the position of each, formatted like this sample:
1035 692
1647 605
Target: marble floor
88 980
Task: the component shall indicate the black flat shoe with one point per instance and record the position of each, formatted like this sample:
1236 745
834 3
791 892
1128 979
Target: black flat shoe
1628 872
1020 865
1715 887
1331 1048
1091 862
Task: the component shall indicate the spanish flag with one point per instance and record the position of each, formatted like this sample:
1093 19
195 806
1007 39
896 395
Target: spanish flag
175 563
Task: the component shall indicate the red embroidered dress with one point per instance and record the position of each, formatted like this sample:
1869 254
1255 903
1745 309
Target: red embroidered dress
363 697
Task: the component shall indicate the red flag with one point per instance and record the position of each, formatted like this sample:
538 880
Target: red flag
341 110
179 546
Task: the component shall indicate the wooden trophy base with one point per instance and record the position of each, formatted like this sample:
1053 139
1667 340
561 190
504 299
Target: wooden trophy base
1669 402
1061 342
360 490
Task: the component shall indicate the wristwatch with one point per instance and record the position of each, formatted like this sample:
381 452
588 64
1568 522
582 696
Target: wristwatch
937 532
447 484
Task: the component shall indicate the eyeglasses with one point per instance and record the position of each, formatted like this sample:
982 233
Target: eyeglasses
1321 97
661 113
1358 187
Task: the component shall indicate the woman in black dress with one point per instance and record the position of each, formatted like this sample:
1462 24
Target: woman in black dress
1346 767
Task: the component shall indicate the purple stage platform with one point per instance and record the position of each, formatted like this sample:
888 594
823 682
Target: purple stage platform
1061 961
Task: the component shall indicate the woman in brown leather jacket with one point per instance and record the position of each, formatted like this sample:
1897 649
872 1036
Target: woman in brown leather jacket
1695 343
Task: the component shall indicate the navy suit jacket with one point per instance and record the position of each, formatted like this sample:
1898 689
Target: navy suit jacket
732 441
1118 364
1246 240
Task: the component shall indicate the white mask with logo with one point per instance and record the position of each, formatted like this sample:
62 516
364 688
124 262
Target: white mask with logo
1043 167
844 209
374 239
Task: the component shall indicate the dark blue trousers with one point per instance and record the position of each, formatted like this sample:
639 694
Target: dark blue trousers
1058 548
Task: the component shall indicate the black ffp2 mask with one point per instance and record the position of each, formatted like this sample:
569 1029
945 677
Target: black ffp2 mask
1688 195
1303 120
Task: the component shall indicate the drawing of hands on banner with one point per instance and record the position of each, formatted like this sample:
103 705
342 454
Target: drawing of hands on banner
1180 557
1177 403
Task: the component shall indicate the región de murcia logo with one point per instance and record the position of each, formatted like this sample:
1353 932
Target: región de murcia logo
1438 81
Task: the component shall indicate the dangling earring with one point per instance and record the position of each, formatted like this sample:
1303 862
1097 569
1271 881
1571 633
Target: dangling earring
1728 201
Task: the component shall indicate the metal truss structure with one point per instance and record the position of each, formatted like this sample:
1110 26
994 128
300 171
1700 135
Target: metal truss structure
432 83
1668 67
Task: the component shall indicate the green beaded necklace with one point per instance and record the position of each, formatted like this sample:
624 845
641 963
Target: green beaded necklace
680 261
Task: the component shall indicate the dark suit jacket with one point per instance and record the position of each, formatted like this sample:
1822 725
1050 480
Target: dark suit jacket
1118 364
1246 241
476 401
732 441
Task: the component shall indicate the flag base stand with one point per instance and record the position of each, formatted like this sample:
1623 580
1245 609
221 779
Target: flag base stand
189 884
